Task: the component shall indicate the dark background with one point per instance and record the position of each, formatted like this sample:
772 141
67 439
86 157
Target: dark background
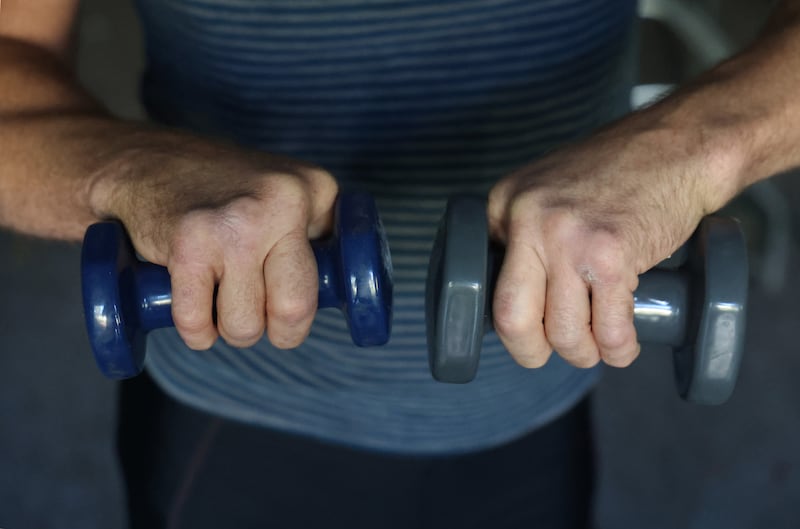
663 463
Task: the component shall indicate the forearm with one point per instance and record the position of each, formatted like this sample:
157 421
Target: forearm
54 137
744 113
63 155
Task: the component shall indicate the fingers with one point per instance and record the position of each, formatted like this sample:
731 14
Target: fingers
264 272
290 272
583 329
580 306
279 294
241 300
612 323
518 305
568 317
192 302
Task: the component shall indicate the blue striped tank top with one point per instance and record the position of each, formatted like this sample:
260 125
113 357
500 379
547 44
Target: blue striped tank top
411 100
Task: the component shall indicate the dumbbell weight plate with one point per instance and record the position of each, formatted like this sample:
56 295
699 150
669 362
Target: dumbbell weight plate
366 285
116 335
706 368
456 310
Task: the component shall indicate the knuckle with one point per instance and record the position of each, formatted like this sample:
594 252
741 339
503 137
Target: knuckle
197 334
622 357
559 223
291 311
510 325
290 206
606 268
191 323
324 183
607 261
613 337
183 247
509 322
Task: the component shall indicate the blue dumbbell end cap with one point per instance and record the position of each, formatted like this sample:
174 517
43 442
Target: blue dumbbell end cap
107 265
367 276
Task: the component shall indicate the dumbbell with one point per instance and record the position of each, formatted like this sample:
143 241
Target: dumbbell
125 298
695 303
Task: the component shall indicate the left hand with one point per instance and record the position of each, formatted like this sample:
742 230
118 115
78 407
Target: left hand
582 223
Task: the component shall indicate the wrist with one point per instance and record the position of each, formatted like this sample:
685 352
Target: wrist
717 144
136 150
104 186
744 112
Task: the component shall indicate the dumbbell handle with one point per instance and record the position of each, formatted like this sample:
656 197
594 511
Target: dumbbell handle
153 294
660 307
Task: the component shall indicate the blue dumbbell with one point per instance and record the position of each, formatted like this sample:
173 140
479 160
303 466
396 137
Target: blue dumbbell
695 302
125 298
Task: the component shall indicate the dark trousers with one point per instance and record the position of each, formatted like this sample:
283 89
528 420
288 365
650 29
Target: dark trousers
190 470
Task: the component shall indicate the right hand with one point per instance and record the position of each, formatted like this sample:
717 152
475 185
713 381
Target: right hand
219 216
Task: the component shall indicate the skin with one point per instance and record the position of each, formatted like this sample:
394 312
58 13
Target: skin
211 212
580 224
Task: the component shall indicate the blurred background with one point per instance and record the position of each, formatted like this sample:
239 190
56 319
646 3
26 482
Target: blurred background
663 463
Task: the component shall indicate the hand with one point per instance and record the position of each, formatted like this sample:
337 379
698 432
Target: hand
582 223
219 216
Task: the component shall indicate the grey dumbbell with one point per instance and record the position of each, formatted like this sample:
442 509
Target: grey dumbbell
695 303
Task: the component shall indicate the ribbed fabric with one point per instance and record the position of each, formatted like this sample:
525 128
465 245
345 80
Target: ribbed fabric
413 101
